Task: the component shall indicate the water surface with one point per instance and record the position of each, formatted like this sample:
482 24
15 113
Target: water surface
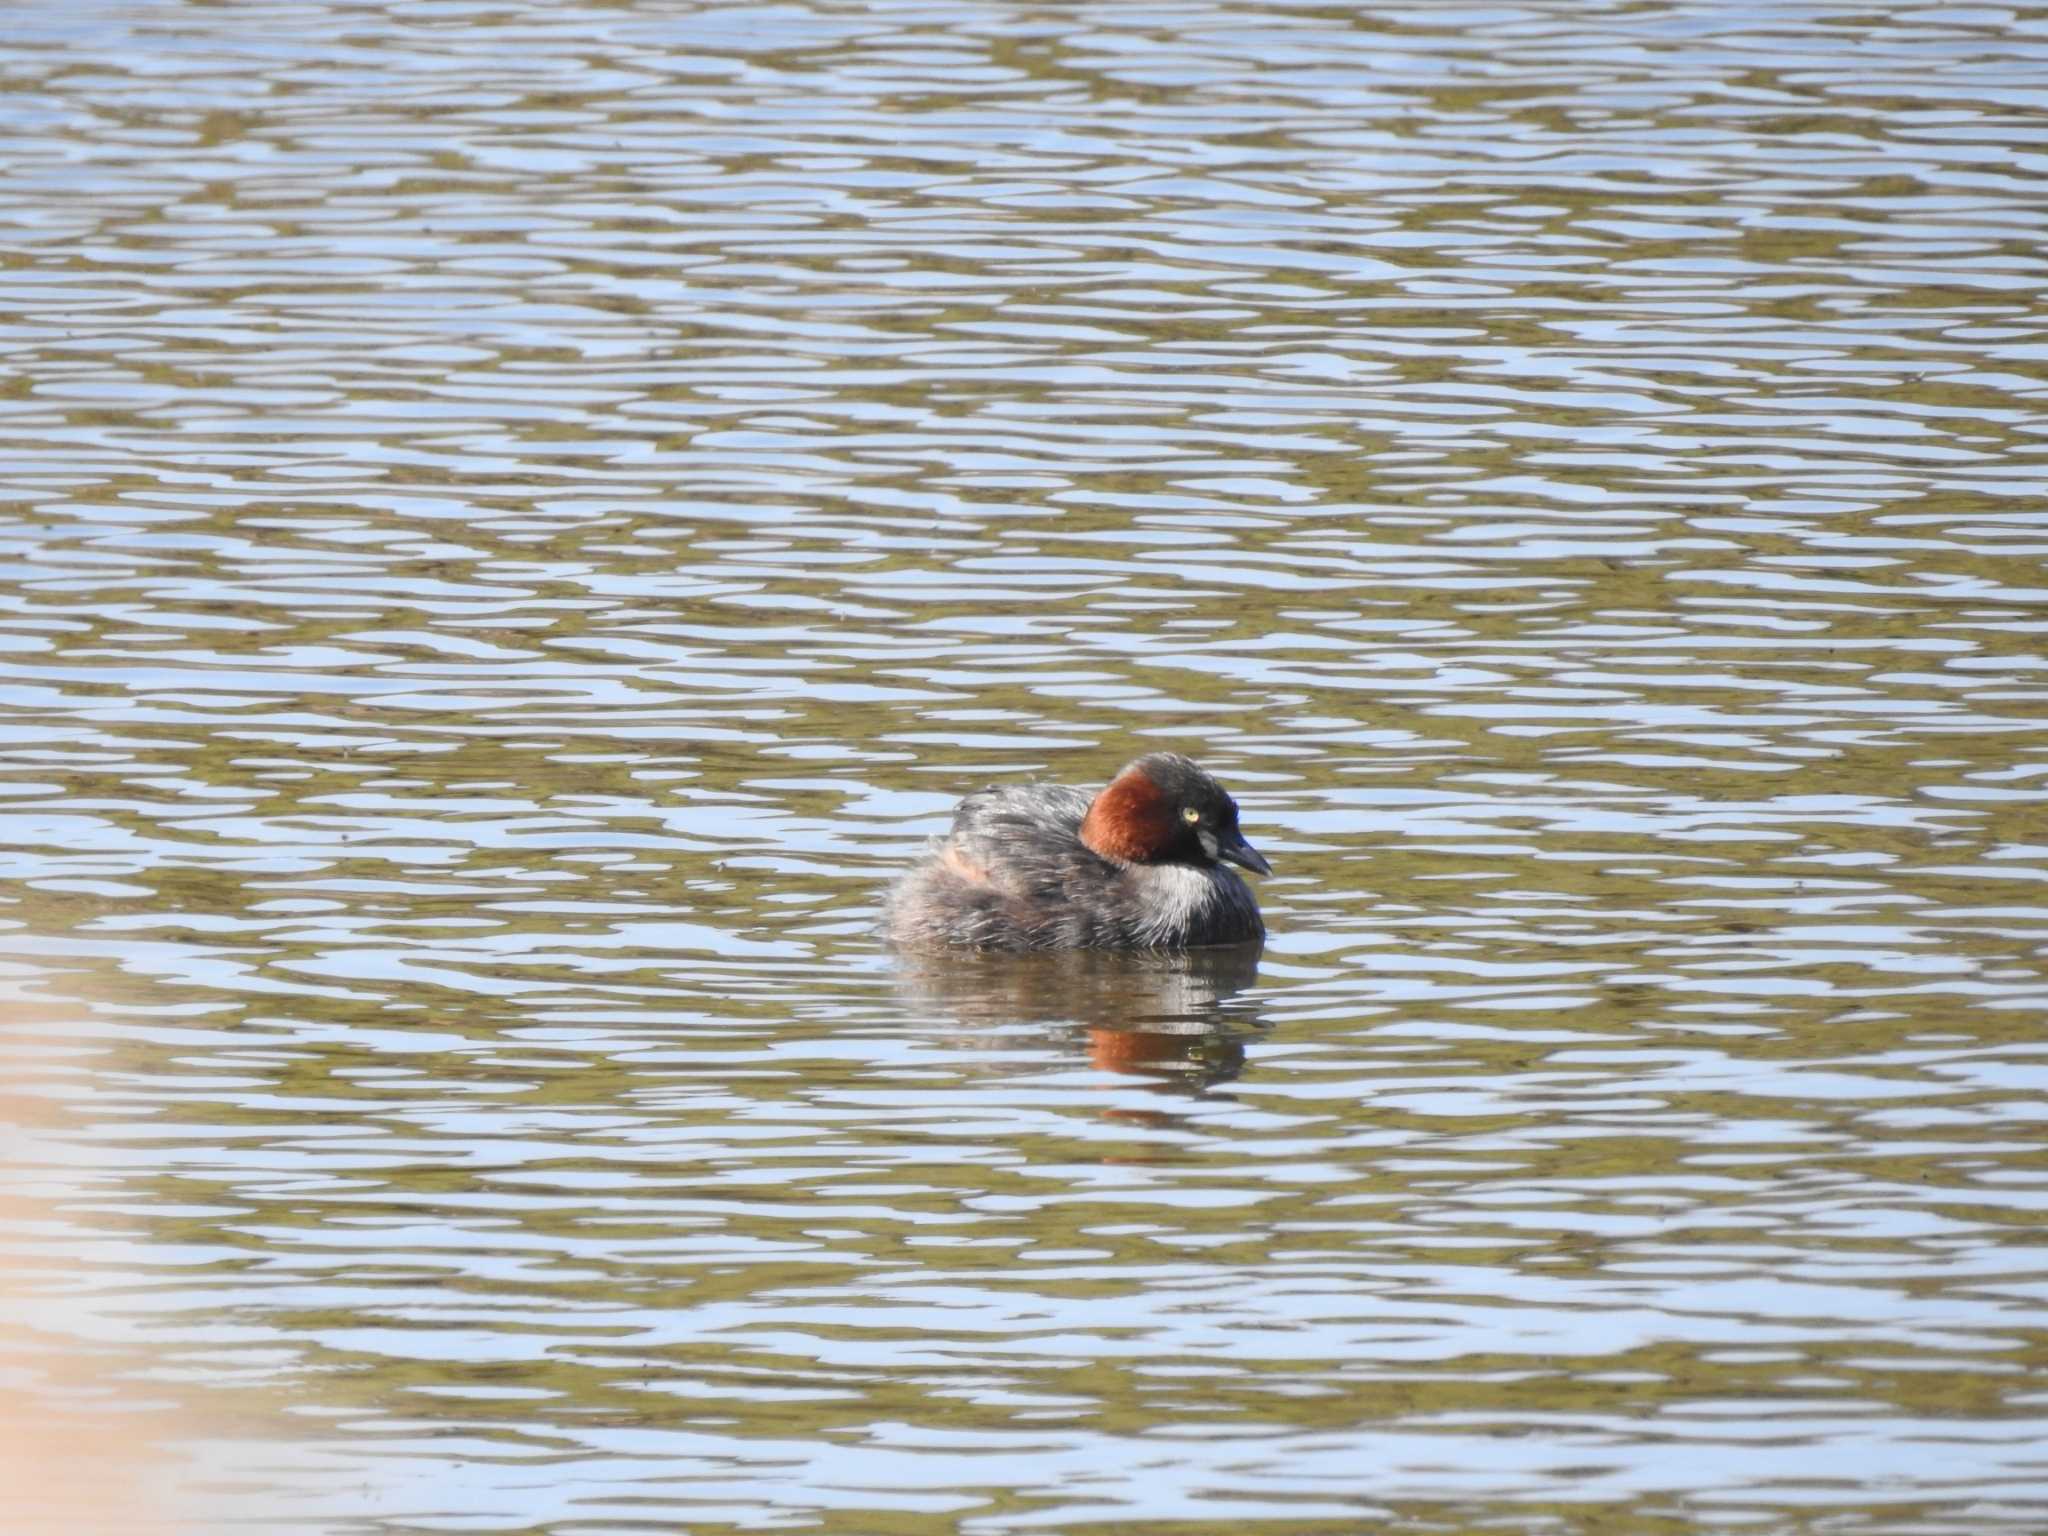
520 517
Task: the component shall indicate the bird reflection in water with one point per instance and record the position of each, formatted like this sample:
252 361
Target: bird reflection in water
1174 1017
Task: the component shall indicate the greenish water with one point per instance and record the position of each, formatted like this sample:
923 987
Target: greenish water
520 517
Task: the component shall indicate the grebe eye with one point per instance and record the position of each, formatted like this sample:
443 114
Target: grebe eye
1189 813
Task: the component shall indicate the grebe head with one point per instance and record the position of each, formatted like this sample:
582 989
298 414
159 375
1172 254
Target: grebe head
1162 809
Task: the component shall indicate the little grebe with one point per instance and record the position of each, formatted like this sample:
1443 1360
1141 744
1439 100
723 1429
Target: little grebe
1042 866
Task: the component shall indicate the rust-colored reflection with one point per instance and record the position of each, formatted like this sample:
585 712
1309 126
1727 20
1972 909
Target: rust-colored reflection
1169 1017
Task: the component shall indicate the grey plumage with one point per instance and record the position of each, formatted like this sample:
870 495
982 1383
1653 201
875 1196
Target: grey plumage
1014 874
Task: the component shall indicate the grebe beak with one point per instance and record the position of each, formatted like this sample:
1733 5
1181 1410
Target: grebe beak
1238 851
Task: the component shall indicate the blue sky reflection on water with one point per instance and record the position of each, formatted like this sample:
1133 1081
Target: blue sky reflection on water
522 517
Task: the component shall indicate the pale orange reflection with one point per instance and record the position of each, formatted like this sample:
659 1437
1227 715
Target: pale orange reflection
87 1448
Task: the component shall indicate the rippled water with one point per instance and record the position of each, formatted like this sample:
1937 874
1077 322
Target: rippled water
520 516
